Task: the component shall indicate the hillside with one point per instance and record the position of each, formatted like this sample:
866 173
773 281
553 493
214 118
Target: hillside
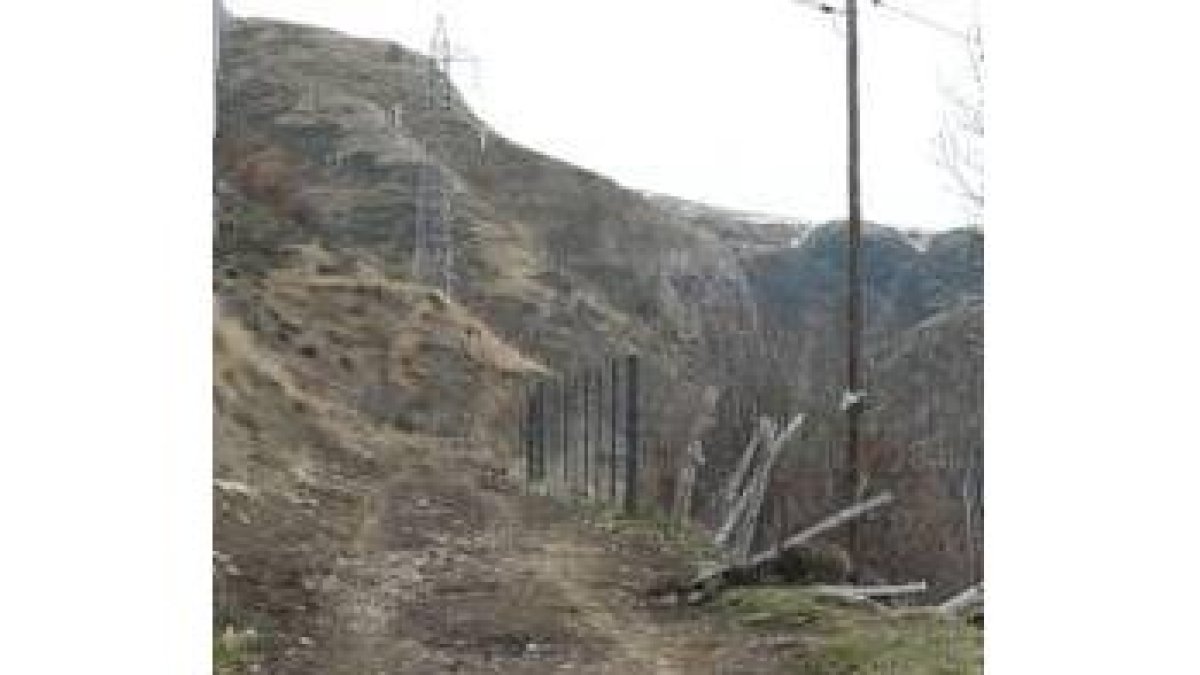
368 511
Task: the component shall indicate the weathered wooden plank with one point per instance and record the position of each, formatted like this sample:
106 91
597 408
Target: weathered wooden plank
711 580
687 481
762 480
969 596
737 512
826 524
880 591
733 489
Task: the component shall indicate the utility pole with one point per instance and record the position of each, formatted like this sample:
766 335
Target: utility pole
853 401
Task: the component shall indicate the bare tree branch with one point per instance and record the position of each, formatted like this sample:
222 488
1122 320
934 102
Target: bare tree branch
959 144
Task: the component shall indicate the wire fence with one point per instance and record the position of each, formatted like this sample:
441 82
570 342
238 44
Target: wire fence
621 433
580 435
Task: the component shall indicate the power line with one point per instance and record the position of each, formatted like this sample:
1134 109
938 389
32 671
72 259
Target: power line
923 20
822 7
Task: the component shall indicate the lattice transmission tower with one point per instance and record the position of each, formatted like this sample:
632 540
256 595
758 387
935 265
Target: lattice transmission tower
434 242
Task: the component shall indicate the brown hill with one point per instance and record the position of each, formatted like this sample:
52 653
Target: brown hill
365 504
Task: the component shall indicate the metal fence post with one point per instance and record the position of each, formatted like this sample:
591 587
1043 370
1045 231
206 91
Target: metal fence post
565 450
541 430
525 435
587 427
631 433
615 367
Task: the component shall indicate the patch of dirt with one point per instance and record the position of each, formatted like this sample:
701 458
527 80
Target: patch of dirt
454 576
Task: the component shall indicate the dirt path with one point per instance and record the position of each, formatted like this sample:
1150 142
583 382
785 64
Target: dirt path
639 646
458 572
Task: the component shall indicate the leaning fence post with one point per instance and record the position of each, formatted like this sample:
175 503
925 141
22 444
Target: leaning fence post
631 433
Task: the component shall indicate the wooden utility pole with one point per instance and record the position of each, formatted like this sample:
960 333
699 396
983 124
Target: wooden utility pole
853 402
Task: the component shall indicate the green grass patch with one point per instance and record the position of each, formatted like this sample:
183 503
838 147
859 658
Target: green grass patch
775 607
237 645
234 650
227 658
845 640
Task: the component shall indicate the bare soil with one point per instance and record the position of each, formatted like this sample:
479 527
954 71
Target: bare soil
457 571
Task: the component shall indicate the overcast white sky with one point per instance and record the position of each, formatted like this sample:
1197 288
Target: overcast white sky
736 103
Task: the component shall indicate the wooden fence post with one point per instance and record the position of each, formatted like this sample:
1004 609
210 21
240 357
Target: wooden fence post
684 489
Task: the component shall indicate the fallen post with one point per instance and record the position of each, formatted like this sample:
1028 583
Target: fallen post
968 597
733 488
759 488
867 592
709 583
737 512
839 518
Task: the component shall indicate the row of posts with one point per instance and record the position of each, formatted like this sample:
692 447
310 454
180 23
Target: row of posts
579 433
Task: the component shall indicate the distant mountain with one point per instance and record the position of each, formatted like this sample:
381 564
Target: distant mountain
804 286
743 231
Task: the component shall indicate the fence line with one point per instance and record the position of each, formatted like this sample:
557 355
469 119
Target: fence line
565 420
621 432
